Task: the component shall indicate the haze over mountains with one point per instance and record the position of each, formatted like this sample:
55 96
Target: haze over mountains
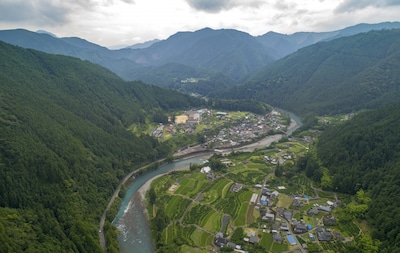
213 57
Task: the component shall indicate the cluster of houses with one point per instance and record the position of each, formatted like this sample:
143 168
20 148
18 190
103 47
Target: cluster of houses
251 127
281 222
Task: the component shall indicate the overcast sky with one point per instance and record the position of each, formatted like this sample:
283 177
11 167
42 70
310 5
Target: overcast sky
126 22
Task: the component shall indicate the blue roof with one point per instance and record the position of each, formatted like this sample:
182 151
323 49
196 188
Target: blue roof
309 226
291 239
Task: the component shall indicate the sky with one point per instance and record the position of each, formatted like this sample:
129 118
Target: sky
113 23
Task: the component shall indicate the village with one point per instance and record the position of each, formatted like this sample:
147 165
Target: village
295 221
245 206
232 128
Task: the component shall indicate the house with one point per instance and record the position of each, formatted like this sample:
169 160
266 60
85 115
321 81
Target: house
300 228
253 199
324 208
227 162
220 240
324 236
274 228
269 216
231 244
296 203
205 170
254 239
236 187
338 236
264 200
313 211
274 194
265 191
312 236
193 117
329 220
210 176
284 226
277 238
287 215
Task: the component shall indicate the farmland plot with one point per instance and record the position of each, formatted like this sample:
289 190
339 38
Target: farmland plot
202 239
176 207
218 190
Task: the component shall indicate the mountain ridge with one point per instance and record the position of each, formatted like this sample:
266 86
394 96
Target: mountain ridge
64 147
233 53
338 76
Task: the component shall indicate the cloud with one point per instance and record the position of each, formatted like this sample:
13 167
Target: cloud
47 12
215 6
40 12
354 5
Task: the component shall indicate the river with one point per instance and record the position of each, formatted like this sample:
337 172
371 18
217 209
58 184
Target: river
131 221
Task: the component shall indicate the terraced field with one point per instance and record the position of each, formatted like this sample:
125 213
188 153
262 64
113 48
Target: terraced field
176 207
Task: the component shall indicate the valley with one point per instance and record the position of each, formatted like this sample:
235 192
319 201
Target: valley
72 128
239 201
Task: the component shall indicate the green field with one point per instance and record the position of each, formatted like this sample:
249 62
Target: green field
212 222
202 239
186 186
218 190
241 217
198 214
176 206
268 243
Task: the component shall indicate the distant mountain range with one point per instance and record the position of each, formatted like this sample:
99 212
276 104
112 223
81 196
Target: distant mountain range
225 56
339 76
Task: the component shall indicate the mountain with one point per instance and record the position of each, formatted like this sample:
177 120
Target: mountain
364 154
233 56
64 147
144 44
181 77
46 32
339 76
284 44
234 53
70 46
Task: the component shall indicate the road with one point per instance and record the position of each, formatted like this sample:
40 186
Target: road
191 150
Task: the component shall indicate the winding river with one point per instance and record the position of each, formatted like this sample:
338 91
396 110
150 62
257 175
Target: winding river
131 221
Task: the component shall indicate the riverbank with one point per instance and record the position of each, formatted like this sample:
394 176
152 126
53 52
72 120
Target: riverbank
132 219
246 148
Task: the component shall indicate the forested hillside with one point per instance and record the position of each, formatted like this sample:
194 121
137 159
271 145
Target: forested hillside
364 153
340 76
64 146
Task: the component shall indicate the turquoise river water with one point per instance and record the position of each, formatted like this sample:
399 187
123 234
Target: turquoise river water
131 220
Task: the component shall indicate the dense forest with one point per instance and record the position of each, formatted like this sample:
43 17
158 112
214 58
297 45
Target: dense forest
364 154
64 146
339 76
